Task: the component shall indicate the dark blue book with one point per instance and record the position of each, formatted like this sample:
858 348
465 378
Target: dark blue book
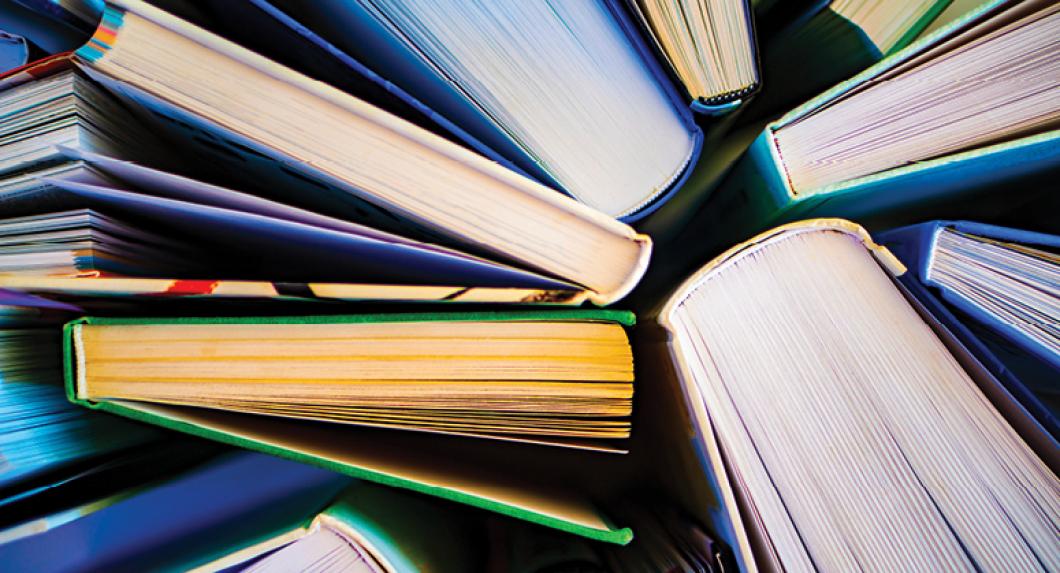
574 96
995 288
183 523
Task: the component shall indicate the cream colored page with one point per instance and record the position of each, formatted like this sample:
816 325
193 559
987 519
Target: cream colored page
414 173
852 429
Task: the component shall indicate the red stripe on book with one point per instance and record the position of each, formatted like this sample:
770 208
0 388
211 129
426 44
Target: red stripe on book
42 67
190 287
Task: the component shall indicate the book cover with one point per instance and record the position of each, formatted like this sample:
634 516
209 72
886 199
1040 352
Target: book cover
452 471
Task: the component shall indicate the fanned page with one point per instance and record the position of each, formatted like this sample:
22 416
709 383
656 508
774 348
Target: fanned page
993 83
1015 287
853 436
709 44
888 23
564 81
163 63
552 382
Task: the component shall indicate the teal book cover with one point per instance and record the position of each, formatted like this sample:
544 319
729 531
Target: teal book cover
762 188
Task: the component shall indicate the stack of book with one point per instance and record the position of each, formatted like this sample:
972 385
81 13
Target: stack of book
321 286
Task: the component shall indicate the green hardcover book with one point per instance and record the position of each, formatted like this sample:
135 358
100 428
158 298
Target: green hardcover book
463 406
375 528
955 114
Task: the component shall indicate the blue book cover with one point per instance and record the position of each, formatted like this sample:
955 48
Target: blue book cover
382 54
1027 370
185 522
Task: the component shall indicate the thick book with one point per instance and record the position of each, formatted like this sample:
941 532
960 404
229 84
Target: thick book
968 109
453 195
548 87
194 516
807 386
446 378
995 289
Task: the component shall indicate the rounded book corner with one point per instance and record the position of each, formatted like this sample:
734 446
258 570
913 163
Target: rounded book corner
637 272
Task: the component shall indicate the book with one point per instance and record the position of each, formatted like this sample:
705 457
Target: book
708 46
204 231
211 241
948 117
821 413
59 459
83 242
995 289
549 87
452 196
829 42
42 435
578 398
91 291
367 528
183 522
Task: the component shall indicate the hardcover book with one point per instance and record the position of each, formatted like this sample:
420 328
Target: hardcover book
803 370
970 108
995 289
561 378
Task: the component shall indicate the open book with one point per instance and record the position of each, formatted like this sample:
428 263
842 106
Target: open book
319 148
393 398
970 107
